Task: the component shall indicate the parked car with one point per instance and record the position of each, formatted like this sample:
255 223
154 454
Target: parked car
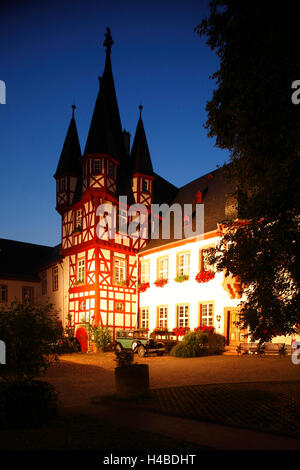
138 342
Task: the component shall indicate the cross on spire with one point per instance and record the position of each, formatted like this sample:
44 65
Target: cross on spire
108 41
73 112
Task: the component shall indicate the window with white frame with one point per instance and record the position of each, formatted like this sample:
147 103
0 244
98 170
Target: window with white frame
145 271
120 270
163 268
97 166
55 278
163 317
27 294
183 264
206 314
145 317
3 293
204 264
182 316
81 270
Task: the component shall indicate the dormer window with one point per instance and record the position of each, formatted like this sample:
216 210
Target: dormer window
97 166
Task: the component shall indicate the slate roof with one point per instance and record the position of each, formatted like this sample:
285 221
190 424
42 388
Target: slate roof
140 156
70 158
105 133
19 260
215 190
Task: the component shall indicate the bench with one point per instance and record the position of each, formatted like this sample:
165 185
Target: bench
267 348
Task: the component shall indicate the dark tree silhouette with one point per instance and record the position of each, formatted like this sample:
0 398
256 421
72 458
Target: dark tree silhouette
251 113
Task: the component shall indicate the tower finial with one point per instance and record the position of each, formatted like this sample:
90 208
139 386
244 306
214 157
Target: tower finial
140 108
73 112
108 41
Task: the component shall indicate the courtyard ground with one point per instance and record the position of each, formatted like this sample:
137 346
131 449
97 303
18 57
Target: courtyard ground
258 393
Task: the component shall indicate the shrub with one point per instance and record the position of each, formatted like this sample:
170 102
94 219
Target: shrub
101 335
124 358
29 331
215 343
27 403
195 344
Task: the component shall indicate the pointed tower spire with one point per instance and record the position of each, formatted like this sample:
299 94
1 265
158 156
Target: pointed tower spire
69 168
105 133
70 157
140 155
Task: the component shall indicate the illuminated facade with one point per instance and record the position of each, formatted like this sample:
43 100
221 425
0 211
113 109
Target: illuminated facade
122 281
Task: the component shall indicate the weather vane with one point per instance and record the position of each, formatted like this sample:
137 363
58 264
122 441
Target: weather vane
108 41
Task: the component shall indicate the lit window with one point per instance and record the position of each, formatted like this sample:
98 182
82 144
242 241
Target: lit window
206 314
204 264
145 318
27 294
163 268
182 316
120 270
183 264
119 306
163 317
3 293
97 167
81 270
55 278
145 271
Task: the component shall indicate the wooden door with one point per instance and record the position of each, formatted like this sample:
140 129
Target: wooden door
233 334
82 336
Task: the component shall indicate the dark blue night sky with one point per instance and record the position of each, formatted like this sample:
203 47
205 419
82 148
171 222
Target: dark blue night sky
51 57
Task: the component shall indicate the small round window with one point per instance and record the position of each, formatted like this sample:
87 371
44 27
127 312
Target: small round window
119 306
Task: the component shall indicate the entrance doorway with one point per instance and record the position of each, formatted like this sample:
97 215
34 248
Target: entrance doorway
233 334
82 336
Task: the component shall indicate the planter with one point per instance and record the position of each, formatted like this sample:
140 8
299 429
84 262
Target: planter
132 380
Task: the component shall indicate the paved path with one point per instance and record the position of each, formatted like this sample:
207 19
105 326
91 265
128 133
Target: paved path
202 434
78 378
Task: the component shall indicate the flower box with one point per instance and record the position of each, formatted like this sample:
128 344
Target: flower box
205 276
204 328
181 278
161 282
142 287
181 331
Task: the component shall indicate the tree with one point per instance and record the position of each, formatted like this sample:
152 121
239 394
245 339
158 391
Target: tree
28 331
251 114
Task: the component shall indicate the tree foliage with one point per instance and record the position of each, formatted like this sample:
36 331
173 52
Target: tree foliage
29 330
252 115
